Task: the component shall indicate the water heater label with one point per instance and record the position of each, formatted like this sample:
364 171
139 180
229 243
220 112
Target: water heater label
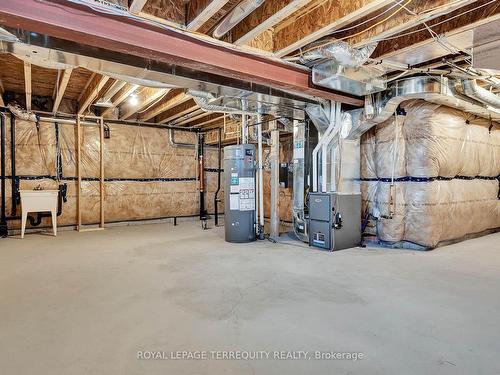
234 202
247 194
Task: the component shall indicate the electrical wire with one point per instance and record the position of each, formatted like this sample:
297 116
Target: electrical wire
401 7
437 23
404 6
368 20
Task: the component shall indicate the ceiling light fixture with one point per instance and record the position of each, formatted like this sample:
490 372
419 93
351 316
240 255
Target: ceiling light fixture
133 100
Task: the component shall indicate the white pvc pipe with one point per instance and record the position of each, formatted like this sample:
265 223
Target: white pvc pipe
260 170
318 147
244 123
336 120
324 146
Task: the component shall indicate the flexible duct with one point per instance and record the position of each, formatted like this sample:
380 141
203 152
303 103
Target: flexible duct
241 10
474 91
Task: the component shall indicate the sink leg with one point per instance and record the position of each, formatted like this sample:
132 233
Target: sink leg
54 222
24 217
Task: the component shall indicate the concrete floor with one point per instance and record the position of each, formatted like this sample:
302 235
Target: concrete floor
86 303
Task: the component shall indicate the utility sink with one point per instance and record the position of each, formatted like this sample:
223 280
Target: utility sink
39 201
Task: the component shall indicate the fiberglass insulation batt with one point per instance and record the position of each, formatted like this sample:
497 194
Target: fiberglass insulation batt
444 166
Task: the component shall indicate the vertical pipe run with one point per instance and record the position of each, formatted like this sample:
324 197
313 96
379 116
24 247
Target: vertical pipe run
219 157
13 164
274 157
244 123
324 148
319 147
201 174
260 177
3 220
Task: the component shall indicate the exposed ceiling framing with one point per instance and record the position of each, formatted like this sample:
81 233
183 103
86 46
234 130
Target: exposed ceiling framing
200 11
91 93
281 28
61 88
136 6
146 97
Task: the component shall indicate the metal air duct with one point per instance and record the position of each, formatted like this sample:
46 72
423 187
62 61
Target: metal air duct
433 89
474 91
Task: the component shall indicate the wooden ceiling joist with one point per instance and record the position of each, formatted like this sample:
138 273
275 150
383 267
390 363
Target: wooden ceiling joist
146 97
120 97
61 88
136 6
321 21
2 104
402 21
446 26
211 118
114 89
27 84
90 80
172 99
265 17
177 111
193 116
200 11
91 93
217 16
134 38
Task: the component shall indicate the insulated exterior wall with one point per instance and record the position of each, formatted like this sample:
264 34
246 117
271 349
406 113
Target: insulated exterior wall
443 166
146 177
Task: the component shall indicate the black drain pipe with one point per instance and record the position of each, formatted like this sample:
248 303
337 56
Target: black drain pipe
13 177
3 219
13 184
201 174
217 200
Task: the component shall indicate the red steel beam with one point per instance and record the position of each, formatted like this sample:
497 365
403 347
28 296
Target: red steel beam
78 23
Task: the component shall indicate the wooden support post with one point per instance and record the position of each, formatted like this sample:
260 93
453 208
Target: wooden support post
27 84
101 174
275 192
100 122
2 104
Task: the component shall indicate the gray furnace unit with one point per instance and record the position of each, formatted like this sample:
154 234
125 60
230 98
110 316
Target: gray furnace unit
239 193
334 220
